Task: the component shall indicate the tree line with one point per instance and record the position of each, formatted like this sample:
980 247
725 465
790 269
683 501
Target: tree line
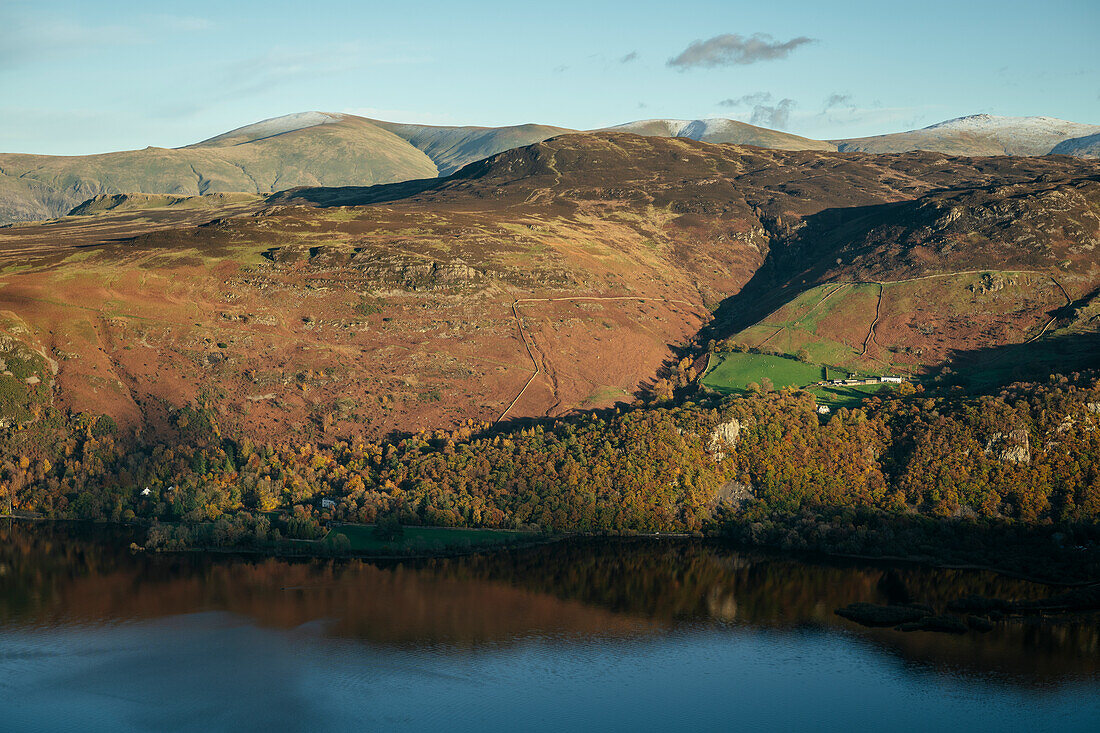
1030 453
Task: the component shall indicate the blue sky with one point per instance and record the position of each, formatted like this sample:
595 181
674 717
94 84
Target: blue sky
81 77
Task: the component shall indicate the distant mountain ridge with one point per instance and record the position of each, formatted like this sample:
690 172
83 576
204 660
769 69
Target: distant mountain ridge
334 149
721 130
983 135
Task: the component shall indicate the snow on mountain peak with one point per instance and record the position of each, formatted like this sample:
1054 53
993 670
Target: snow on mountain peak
1003 124
279 125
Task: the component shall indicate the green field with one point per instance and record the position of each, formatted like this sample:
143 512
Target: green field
835 396
735 372
428 539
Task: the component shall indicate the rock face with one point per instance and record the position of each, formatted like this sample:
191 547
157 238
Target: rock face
1013 447
724 435
415 274
410 273
733 493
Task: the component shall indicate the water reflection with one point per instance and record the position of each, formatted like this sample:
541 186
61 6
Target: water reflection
61 576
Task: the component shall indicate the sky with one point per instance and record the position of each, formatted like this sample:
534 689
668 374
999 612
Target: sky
80 77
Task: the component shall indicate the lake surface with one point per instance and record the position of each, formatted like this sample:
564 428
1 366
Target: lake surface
605 635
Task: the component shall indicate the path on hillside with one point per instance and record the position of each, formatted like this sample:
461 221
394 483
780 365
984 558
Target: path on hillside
871 331
532 348
828 295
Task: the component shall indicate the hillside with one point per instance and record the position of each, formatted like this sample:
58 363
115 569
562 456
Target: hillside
255 159
450 148
1081 147
569 274
980 135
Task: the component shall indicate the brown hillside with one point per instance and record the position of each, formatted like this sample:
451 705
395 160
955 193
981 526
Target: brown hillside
549 278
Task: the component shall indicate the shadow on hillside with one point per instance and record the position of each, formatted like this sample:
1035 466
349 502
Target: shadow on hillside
997 366
798 260
330 196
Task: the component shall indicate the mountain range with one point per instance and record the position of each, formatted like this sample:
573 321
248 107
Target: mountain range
328 149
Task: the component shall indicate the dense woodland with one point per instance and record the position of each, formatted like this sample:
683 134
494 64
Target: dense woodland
1029 454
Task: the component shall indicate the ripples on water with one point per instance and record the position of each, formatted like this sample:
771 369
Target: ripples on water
625 635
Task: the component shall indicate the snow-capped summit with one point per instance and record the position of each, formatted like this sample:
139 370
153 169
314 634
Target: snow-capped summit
275 126
1015 125
721 130
981 134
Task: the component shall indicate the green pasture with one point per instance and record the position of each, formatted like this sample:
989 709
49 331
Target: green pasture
735 372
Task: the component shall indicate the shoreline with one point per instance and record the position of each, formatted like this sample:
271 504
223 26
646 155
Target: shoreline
316 549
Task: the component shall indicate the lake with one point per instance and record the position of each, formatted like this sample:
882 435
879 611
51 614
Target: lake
596 634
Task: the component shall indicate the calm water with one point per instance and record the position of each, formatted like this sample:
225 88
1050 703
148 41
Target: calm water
630 635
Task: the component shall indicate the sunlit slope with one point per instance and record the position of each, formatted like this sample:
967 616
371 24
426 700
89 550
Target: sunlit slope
565 275
905 326
348 151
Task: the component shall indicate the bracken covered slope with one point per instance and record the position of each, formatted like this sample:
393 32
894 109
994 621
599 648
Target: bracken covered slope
559 276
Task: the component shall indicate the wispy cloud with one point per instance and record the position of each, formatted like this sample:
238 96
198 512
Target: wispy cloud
746 100
848 119
777 115
632 56
730 49
27 37
835 100
277 69
762 113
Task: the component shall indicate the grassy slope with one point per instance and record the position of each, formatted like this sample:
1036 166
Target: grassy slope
920 322
350 152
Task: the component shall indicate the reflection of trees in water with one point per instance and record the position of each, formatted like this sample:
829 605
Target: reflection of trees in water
56 573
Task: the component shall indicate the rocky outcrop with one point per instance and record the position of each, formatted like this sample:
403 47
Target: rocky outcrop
724 435
415 274
1013 447
733 494
410 273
